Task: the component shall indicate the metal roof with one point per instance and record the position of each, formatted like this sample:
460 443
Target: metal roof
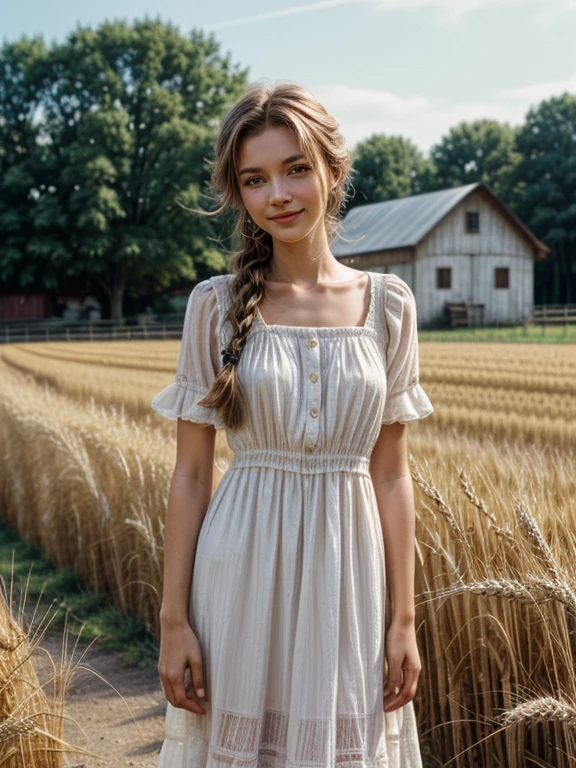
396 223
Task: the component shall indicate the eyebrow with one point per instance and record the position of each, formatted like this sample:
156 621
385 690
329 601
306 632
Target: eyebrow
284 162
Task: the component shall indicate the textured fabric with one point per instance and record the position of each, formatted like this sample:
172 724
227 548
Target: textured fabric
288 588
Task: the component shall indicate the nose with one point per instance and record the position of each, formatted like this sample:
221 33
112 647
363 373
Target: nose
279 193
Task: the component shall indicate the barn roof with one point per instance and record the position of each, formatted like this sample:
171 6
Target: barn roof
404 222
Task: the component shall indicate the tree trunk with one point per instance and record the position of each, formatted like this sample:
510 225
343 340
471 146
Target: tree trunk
556 290
116 300
568 269
116 291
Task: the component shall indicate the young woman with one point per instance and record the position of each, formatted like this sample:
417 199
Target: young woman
272 647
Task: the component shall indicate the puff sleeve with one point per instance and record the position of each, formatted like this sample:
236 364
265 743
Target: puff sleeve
198 364
405 398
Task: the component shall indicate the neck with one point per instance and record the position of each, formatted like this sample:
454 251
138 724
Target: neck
306 262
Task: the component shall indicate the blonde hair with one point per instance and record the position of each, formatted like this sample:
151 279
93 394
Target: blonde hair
262 106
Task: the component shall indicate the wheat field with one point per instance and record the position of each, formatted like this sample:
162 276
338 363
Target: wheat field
86 470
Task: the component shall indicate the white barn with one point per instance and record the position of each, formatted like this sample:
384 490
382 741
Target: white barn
460 245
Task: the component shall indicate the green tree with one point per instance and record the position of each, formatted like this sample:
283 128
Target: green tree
22 172
126 119
545 191
479 151
386 167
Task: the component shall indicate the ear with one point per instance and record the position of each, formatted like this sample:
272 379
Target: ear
335 176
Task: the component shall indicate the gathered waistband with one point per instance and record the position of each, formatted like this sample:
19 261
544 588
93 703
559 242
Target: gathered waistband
307 464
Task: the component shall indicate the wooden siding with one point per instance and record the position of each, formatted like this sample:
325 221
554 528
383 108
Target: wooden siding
473 282
474 258
497 236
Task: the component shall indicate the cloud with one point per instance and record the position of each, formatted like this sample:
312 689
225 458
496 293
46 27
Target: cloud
294 10
450 11
529 94
362 112
551 12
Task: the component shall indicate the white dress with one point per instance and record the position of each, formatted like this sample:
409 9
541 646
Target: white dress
288 588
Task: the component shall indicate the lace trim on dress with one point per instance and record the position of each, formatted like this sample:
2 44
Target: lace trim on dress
408 405
368 327
245 740
179 400
261 742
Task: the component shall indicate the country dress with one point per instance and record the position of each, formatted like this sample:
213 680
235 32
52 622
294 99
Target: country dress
288 589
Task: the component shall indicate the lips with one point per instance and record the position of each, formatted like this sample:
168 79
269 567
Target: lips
286 217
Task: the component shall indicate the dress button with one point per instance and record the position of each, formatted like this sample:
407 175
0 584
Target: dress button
309 447
313 377
314 412
312 342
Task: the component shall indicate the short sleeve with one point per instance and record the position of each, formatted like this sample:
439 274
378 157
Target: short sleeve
198 364
405 398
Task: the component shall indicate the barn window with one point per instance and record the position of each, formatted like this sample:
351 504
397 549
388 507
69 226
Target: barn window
444 277
501 277
472 221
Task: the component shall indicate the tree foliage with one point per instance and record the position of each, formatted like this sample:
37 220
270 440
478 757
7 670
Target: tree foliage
128 121
386 167
545 191
471 152
21 168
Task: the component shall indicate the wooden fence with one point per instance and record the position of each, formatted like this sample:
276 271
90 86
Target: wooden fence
160 327
546 314
170 326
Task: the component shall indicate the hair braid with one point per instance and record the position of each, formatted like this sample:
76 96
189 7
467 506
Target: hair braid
246 292
292 106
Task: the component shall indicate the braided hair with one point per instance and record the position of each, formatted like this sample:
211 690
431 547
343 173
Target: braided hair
262 106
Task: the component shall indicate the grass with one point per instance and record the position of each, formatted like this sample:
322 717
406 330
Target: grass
533 334
87 614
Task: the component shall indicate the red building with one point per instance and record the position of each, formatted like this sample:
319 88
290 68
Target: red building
25 306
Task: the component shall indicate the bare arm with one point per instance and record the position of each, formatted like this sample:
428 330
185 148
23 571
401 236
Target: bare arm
189 497
395 496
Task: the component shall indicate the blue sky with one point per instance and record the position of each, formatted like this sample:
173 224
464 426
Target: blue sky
400 67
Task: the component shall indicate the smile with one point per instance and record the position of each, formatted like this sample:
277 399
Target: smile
287 219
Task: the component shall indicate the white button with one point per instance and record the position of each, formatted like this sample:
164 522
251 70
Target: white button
313 377
314 412
312 342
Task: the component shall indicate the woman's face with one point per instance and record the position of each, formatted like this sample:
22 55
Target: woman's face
275 178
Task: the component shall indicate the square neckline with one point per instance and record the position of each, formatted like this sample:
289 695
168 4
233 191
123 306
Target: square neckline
366 325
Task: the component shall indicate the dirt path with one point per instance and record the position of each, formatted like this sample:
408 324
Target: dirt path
123 732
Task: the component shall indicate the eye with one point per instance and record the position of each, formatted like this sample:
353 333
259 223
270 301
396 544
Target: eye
300 168
249 182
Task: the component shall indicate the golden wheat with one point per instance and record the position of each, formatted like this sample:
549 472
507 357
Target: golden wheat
31 721
87 474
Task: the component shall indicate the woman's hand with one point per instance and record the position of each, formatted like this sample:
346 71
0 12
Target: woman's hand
403 666
180 654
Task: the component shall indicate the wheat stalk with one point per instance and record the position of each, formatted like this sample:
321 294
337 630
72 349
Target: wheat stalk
434 494
470 492
540 710
534 536
534 590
